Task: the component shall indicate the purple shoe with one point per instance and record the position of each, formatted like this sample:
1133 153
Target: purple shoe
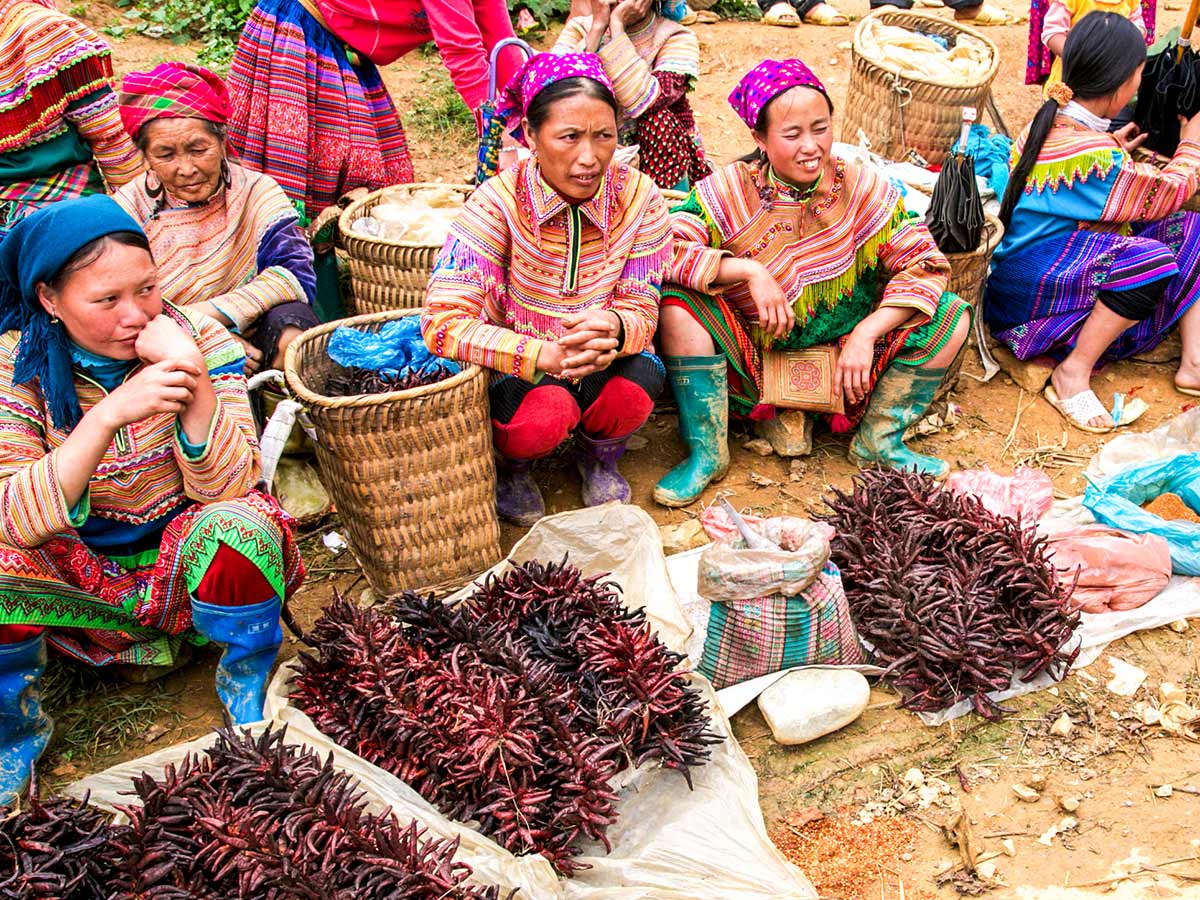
518 499
597 464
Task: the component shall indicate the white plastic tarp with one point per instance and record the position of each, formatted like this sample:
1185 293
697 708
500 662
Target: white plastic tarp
669 843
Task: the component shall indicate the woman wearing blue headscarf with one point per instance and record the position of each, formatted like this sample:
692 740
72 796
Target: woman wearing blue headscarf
128 462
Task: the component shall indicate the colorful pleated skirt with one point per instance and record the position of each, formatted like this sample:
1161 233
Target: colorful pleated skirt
1037 299
104 610
303 113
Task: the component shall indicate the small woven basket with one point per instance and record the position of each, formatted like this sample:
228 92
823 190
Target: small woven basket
899 113
968 275
385 274
411 471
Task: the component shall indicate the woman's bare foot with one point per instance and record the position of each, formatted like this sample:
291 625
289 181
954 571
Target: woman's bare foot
1187 378
1068 382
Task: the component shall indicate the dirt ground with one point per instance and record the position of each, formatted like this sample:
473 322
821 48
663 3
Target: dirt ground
1108 760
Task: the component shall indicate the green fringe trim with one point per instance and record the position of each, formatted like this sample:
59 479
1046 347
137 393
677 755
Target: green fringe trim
1071 169
827 294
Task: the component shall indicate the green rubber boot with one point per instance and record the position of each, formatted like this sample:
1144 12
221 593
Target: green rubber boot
900 398
702 391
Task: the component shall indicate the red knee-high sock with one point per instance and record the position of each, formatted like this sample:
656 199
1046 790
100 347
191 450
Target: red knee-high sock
620 409
14 634
233 580
543 420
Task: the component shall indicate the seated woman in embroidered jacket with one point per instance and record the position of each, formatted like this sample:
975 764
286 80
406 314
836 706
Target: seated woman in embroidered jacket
227 240
1097 262
653 62
793 248
128 461
551 276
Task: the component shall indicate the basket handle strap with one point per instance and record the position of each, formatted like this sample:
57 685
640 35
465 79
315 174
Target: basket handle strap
902 96
495 57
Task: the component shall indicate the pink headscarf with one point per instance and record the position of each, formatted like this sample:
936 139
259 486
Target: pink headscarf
767 80
539 72
172 90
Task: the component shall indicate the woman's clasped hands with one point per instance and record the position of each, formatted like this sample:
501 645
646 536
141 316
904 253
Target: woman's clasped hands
589 343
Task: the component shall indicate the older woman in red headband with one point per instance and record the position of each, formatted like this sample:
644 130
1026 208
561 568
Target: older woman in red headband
227 240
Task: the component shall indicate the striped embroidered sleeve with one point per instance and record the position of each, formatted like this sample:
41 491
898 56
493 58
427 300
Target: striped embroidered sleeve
99 123
919 270
32 507
1142 192
573 37
462 304
638 291
634 83
695 256
230 464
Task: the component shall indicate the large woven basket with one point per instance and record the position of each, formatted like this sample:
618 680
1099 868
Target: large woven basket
387 274
411 472
968 275
898 113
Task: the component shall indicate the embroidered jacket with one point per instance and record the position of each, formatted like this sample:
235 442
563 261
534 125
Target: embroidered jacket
145 475
520 259
243 250
817 251
1083 179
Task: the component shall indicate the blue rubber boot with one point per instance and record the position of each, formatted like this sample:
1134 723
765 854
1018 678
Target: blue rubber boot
24 728
251 636
899 400
702 391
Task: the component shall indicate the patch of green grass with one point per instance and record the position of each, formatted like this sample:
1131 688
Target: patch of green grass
92 718
441 113
737 9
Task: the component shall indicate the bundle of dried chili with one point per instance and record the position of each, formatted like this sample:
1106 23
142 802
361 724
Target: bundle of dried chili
354 381
954 599
512 709
56 848
260 818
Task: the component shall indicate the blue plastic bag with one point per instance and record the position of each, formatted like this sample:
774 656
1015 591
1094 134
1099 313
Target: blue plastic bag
1116 501
395 349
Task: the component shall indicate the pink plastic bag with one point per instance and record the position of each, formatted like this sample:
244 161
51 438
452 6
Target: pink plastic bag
1118 570
1026 494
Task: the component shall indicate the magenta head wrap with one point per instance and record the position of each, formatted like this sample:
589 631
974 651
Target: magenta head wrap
765 82
172 90
539 72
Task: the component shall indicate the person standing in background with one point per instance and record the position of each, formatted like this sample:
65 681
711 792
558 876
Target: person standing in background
60 132
308 105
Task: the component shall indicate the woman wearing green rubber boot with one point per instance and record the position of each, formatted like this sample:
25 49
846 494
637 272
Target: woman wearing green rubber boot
794 247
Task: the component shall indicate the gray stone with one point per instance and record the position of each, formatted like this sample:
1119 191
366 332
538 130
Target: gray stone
1030 375
805 704
789 433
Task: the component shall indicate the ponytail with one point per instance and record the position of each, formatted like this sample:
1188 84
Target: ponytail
1038 132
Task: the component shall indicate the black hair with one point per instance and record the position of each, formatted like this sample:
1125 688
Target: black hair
216 129
92 251
760 122
1101 53
539 108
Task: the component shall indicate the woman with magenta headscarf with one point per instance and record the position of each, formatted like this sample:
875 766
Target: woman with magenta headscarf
128 464
791 247
550 277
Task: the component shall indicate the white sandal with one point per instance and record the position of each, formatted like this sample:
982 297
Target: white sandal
1079 409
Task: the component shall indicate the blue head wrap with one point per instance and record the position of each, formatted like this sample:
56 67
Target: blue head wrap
34 251
672 9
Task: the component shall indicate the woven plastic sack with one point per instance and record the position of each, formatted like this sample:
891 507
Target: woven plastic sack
1117 501
772 609
1117 570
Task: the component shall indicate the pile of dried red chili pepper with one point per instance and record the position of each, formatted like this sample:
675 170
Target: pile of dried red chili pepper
254 818
354 381
954 600
513 709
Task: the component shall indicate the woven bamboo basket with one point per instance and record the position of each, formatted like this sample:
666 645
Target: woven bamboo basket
385 274
411 471
898 113
968 275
